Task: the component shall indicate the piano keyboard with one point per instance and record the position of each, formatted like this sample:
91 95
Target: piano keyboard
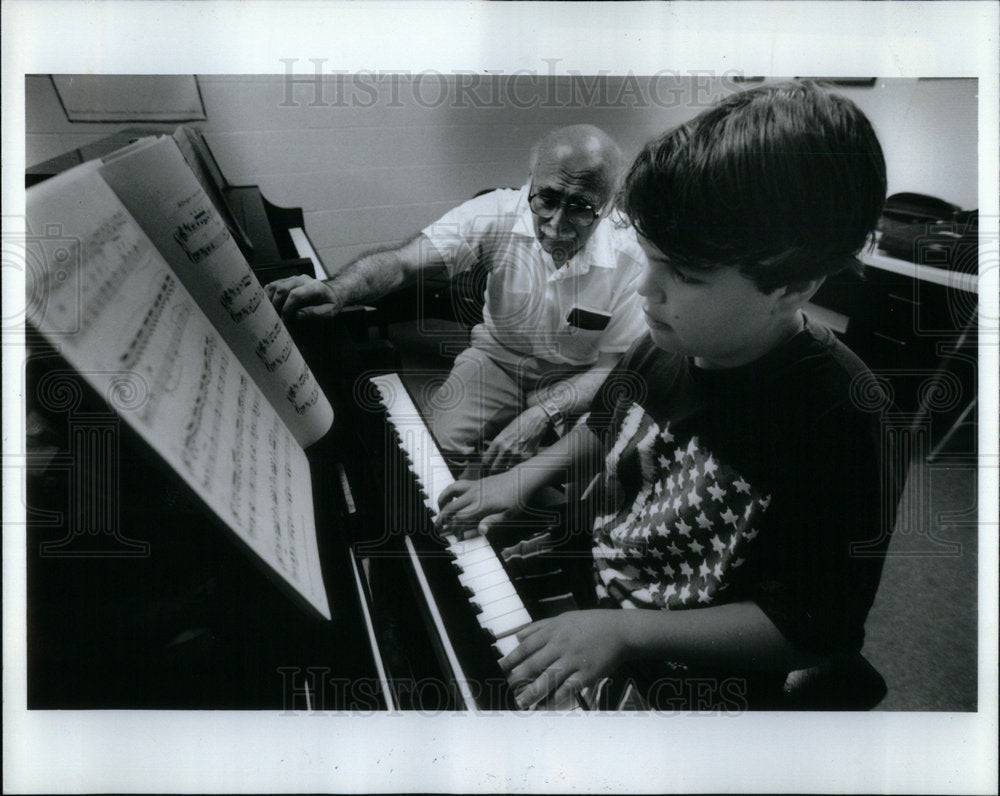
499 609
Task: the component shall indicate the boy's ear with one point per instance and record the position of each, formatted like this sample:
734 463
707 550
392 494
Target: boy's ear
796 294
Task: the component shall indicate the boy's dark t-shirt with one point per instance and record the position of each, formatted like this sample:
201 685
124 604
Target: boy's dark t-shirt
761 483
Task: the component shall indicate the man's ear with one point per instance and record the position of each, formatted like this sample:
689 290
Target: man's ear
796 294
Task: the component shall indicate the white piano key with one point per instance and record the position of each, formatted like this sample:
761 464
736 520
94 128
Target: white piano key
484 579
475 556
506 645
462 546
508 623
488 596
501 607
476 568
304 249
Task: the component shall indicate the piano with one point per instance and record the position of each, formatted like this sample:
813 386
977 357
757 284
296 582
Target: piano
468 644
134 601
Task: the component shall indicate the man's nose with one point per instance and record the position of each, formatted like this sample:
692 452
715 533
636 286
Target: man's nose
557 221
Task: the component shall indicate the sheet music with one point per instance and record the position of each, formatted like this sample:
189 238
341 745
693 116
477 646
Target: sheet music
199 161
111 305
154 182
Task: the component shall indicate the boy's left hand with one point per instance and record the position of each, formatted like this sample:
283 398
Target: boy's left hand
565 654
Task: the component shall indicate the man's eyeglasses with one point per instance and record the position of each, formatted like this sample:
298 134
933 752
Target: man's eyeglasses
546 204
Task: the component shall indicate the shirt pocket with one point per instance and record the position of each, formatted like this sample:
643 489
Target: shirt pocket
578 345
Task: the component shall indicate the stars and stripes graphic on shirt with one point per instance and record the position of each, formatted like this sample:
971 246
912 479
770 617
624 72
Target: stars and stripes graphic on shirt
679 531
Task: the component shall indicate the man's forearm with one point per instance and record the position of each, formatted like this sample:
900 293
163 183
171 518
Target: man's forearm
573 395
368 278
378 273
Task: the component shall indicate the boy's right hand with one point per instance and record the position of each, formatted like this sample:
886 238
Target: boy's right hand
303 297
468 505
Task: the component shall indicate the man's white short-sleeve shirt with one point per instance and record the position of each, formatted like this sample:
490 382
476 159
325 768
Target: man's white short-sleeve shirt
528 300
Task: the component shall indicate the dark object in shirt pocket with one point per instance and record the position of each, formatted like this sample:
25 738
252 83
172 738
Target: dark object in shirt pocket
588 320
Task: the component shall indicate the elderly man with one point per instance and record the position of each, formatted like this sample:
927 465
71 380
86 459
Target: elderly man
560 309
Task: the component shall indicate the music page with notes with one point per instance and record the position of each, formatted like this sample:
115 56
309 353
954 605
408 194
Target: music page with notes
156 185
110 304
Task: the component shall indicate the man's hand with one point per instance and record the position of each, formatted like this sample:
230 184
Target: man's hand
303 297
479 504
517 441
561 656
366 279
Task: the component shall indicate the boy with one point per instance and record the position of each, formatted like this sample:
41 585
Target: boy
737 470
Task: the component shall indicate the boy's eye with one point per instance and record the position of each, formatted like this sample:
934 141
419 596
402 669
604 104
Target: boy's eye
683 277
673 270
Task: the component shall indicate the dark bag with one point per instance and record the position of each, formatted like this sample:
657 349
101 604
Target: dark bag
927 230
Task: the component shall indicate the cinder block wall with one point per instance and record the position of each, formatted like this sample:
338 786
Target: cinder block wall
371 159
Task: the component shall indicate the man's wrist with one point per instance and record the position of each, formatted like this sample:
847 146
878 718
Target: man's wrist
553 412
334 293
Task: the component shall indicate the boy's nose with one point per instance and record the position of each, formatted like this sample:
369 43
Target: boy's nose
650 288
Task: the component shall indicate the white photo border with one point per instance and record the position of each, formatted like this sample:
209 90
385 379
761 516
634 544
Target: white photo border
69 751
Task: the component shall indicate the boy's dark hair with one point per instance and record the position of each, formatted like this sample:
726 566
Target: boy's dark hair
785 182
